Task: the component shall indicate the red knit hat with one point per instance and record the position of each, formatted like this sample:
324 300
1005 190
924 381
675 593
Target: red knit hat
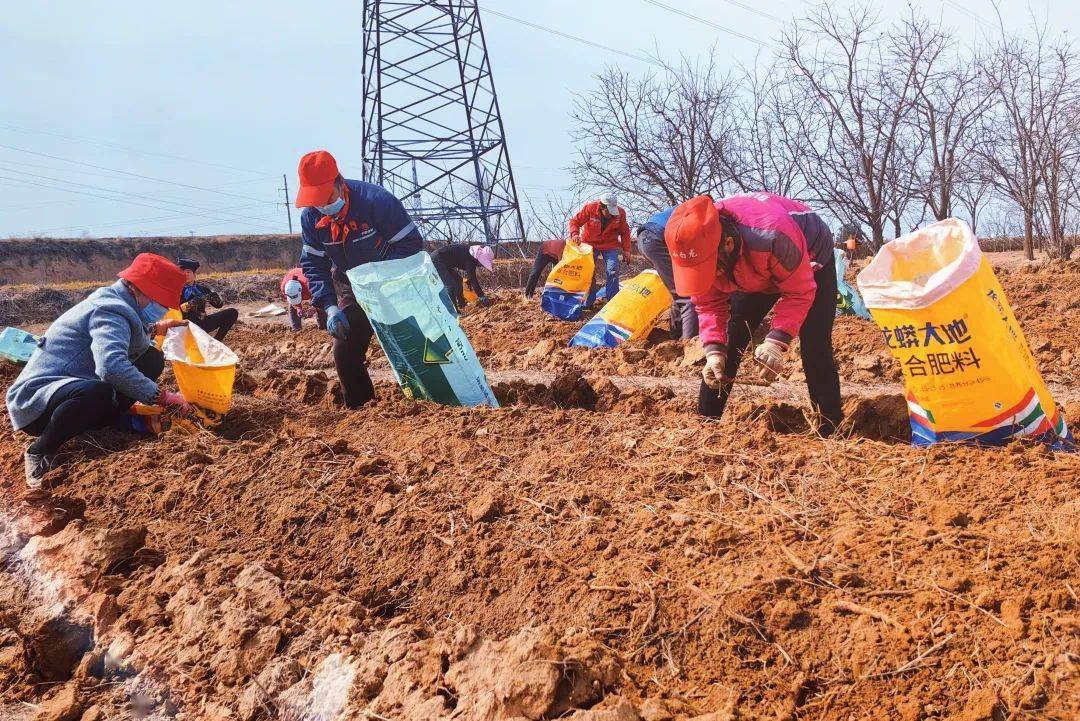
318 171
692 236
158 278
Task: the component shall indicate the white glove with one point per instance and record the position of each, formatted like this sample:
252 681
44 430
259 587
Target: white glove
770 356
713 372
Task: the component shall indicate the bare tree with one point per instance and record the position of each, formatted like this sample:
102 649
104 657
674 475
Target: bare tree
656 140
1034 87
854 87
950 96
1059 125
972 192
549 217
760 157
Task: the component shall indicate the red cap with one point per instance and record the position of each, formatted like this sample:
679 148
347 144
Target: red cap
158 278
693 236
318 172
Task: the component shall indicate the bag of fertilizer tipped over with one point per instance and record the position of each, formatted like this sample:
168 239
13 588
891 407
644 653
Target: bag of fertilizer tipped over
418 330
566 290
968 371
205 369
630 315
848 300
17 345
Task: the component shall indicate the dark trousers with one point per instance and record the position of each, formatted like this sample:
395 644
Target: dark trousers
350 358
542 261
683 319
455 286
221 322
815 340
86 405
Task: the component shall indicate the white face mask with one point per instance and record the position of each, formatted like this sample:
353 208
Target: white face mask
332 208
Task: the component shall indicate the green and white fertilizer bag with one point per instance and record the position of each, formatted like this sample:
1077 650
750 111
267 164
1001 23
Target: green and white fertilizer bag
418 330
848 300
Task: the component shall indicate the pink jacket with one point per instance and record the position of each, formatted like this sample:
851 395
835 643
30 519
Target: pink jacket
774 258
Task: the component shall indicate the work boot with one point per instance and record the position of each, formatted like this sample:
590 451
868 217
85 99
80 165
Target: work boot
36 466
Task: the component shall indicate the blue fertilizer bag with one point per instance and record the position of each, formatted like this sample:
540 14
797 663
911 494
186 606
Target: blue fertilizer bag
17 345
848 300
418 330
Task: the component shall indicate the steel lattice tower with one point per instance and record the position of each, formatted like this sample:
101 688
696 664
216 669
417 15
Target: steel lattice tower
432 131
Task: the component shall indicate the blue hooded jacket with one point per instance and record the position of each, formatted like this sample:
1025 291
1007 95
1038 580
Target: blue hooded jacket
96 339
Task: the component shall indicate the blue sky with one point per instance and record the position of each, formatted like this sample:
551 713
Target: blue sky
211 102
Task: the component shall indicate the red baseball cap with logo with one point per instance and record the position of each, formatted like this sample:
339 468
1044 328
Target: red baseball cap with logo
158 278
693 236
318 171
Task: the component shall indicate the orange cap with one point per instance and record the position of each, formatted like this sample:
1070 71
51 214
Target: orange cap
693 236
318 171
158 278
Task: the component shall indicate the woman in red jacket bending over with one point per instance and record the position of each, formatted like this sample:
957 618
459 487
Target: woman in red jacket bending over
737 258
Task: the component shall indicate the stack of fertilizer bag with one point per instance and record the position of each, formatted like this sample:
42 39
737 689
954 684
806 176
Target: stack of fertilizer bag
968 371
417 327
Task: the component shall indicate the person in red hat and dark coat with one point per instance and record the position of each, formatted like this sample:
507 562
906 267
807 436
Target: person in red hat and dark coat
347 223
96 360
739 257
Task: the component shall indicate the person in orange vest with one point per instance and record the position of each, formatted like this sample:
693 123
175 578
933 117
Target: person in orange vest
602 224
550 253
297 294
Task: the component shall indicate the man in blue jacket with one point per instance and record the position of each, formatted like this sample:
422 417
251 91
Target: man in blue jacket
650 238
347 223
196 296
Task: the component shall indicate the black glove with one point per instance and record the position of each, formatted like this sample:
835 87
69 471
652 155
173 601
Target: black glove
214 299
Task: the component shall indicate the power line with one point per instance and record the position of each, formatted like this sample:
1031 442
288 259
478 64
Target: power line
133 175
24 182
756 11
568 36
130 221
710 23
128 149
89 173
957 6
122 193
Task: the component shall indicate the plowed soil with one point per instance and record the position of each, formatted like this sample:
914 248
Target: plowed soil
592 550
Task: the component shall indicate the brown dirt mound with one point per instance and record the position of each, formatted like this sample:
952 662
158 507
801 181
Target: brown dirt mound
738 567
881 418
590 551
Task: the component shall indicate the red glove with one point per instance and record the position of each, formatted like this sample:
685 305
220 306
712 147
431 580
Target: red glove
170 400
626 257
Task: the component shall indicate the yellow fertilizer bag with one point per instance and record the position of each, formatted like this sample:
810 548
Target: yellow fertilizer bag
568 283
968 371
630 315
170 314
205 368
